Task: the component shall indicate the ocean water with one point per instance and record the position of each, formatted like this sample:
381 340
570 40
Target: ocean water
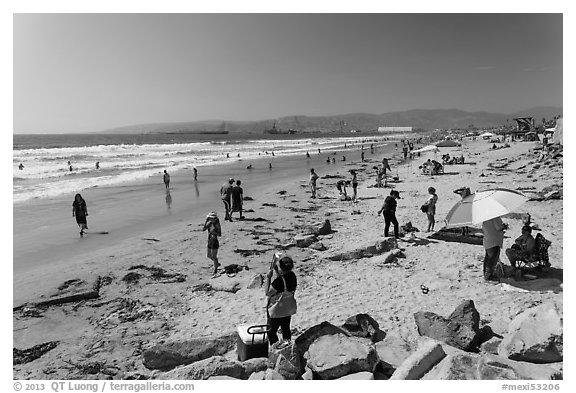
126 159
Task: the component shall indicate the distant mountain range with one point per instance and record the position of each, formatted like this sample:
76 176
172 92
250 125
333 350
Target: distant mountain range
427 119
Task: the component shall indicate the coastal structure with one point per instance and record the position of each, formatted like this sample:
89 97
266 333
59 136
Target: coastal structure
394 129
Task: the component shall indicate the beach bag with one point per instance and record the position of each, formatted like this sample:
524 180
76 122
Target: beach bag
424 208
283 304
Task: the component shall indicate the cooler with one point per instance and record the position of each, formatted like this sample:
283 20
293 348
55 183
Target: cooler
251 341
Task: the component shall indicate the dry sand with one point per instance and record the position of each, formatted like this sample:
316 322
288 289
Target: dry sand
102 331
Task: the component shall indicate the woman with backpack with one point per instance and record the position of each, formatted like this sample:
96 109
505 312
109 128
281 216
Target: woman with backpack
281 302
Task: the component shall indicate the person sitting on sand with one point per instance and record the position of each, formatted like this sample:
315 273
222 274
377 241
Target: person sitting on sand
212 225
327 160
313 178
226 194
278 317
389 211
431 203
21 166
80 211
166 179
249 166
341 186
237 196
523 247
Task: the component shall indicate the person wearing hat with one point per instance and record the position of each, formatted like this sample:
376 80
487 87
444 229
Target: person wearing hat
226 194
523 247
212 225
493 239
389 210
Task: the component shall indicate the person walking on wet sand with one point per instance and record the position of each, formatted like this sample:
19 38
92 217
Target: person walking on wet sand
212 225
166 179
80 211
389 211
431 212
237 196
195 174
313 178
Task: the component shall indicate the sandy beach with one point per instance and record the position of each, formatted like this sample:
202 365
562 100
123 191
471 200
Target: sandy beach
112 330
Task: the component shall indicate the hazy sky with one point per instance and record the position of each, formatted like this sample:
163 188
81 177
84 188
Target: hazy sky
89 72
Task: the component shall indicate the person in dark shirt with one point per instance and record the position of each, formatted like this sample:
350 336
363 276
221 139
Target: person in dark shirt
237 195
80 211
285 280
389 211
212 225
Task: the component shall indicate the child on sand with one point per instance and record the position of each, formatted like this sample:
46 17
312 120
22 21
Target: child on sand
313 178
212 225
431 203
389 210
80 211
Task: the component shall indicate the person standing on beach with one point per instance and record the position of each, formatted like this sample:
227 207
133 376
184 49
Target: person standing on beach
97 164
80 211
385 168
431 203
21 166
226 194
313 178
354 185
237 196
389 210
280 314
166 179
212 225
195 174
493 240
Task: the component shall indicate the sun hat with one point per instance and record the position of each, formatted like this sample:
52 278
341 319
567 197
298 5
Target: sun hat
212 215
231 180
394 192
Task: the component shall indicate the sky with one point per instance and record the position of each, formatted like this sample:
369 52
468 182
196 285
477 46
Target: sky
91 72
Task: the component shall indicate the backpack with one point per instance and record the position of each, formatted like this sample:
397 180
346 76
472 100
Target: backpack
282 304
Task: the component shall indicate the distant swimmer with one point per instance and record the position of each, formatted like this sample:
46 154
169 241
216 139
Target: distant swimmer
307 155
80 211
249 166
21 166
238 154
97 164
327 160
68 163
227 155
343 158
333 160
270 165
272 154
195 174
166 179
362 156
70 168
318 150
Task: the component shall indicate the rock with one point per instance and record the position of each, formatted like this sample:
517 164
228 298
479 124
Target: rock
204 369
363 325
223 378
366 251
303 341
303 241
460 329
272 375
491 346
428 354
535 335
285 368
73 290
254 365
552 195
22 356
225 284
323 228
318 246
388 257
468 366
170 355
337 355
308 375
255 282
392 352
361 376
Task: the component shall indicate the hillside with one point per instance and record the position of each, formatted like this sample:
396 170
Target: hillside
428 119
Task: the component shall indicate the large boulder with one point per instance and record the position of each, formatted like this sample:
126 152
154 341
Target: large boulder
337 355
535 335
255 365
363 325
267 375
392 352
468 366
461 329
204 369
303 341
361 376
167 356
286 368
319 229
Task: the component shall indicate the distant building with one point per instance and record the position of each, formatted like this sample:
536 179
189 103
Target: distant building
394 129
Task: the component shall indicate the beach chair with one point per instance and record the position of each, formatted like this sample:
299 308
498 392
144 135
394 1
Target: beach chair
539 258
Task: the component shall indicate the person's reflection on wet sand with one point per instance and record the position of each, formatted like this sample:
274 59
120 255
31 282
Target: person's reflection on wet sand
196 189
168 199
